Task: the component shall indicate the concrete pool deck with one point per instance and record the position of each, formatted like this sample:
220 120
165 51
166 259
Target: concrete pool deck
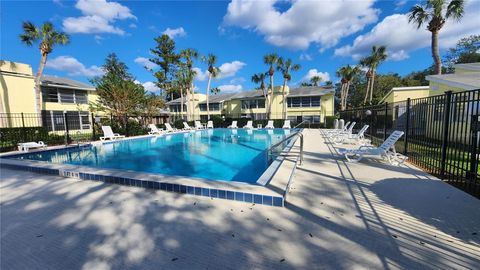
339 215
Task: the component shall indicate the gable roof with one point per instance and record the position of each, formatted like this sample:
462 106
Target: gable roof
467 81
60 82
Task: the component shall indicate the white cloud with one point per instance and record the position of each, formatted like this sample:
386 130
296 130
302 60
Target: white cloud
230 88
314 72
304 22
305 57
144 62
150 86
237 80
401 37
98 39
230 69
175 32
199 74
132 25
73 67
98 17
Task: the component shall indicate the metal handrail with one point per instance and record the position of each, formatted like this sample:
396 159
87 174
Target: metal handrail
298 133
302 123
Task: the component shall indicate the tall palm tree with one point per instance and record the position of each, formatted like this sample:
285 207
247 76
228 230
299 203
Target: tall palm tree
435 13
213 72
48 37
377 56
259 78
341 72
315 80
286 67
271 60
350 74
215 90
189 55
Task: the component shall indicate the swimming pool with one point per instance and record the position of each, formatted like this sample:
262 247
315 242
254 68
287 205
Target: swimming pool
214 154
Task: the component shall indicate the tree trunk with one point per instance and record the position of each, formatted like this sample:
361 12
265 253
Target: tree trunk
342 93
193 101
347 88
371 86
435 53
208 90
181 102
38 78
271 97
366 91
284 104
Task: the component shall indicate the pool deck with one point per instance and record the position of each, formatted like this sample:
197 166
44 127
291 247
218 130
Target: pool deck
339 215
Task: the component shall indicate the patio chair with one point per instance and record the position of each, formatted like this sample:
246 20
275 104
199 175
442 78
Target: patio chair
386 151
154 130
269 124
352 138
210 124
286 124
108 134
199 125
233 125
169 128
347 130
249 125
26 146
186 126
341 127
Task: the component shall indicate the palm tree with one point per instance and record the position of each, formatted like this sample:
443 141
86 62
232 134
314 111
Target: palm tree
377 56
213 72
189 55
259 78
285 67
341 72
350 74
270 60
215 90
434 12
315 80
48 37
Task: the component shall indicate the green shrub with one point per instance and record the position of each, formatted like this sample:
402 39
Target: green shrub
217 121
329 121
178 123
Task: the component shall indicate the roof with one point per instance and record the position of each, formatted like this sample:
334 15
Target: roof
217 98
469 66
467 81
310 91
60 82
248 94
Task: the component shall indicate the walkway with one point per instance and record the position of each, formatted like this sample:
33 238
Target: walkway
340 216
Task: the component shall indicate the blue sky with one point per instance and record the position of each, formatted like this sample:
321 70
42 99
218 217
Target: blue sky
319 35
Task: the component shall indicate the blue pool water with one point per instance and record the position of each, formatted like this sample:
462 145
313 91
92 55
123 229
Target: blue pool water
218 154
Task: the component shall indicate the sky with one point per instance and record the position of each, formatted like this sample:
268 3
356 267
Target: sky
320 35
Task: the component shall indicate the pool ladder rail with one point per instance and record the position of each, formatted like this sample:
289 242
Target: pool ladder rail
291 136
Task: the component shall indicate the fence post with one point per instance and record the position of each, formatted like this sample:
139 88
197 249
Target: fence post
385 122
446 120
407 127
93 127
67 131
475 129
24 133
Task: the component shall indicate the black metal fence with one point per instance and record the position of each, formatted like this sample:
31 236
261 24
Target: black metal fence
442 133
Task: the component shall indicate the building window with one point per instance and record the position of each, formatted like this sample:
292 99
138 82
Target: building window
303 102
55 120
64 95
212 107
176 108
253 104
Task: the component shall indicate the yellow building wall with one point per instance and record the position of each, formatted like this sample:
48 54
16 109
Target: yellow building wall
17 88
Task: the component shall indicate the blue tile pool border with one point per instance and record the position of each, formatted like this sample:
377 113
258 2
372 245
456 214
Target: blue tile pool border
224 194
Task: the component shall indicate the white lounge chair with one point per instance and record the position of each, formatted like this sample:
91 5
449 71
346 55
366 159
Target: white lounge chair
26 146
233 125
269 124
186 126
286 124
249 125
210 124
154 130
109 135
347 130
352 138
385 151
199 125
169 128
